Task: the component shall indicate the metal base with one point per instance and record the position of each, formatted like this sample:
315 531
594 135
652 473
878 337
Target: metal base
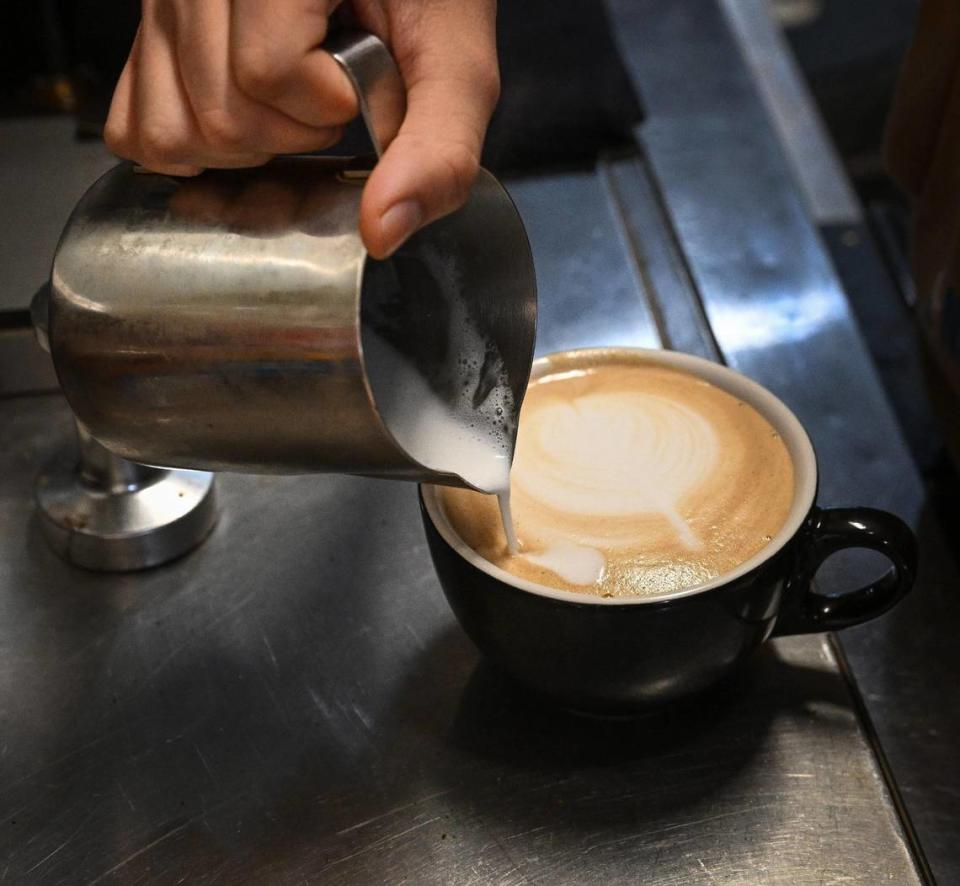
161 516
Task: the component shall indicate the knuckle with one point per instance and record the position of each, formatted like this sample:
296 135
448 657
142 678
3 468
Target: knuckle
257 72
327 137
160 144
117 139
340 104
461 164
223 132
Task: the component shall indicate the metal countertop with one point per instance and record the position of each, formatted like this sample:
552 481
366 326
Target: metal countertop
294 701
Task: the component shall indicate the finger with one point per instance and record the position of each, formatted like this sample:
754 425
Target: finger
276 61
169 139
430 166
230 121
162 127
121 132
118 131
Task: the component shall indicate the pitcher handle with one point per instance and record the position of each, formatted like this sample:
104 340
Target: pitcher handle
376 79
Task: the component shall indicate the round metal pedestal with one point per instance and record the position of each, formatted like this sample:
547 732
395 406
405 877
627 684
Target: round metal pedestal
102 512
133 517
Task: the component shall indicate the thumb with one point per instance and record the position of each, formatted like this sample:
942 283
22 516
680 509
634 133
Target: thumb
430 166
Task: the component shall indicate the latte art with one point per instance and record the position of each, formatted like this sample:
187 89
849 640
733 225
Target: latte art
617 454
632 478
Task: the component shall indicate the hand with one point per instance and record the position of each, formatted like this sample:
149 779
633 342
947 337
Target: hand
232 83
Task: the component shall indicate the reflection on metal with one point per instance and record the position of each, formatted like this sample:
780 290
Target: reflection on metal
220 322
791 318
588 288
753 252
661 267
819 172
796 13
376 81
102 512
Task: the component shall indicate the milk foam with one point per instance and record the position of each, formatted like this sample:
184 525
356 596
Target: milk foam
632 479
573 563
617 454
453 438
449 404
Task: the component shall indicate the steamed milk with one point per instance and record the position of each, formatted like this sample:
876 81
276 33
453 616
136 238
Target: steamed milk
632 479
455 435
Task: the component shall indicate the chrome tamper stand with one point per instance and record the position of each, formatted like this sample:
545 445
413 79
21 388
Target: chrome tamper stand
102 512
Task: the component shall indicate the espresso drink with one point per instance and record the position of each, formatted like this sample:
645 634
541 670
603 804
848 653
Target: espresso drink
632 479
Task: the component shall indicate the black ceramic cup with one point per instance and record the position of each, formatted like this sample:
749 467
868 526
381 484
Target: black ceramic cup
619 655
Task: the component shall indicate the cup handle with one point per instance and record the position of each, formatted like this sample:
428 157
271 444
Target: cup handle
835 529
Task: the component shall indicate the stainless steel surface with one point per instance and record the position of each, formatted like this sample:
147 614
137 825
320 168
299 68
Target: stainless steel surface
100 468
228 322
215 323
819 172
102 512
44 170
769 292
590 291
294 701
380 91
651 243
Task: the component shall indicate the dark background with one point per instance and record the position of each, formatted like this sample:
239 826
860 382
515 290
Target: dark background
565 95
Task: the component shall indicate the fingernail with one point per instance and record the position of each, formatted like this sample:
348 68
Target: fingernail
399 222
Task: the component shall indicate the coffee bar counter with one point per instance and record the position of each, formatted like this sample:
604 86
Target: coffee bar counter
293 702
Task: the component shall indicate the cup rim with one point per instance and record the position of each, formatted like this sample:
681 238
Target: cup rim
760 398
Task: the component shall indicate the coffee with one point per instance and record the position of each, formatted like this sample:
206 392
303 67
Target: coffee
632 479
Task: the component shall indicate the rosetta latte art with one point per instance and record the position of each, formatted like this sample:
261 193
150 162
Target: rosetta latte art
632 479
617 455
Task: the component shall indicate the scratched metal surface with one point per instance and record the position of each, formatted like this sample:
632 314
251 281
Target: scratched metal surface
294 702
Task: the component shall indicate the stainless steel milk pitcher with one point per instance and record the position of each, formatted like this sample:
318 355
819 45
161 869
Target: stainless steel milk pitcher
227 322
